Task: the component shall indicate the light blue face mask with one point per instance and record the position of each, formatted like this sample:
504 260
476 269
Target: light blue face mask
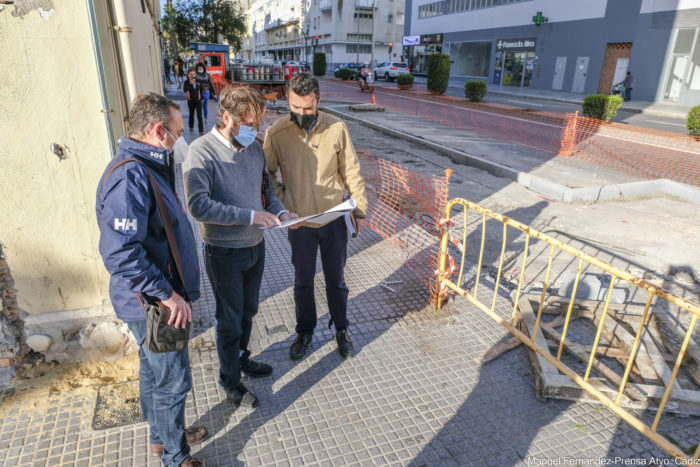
246 135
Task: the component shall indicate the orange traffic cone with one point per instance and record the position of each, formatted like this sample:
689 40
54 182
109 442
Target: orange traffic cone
374 102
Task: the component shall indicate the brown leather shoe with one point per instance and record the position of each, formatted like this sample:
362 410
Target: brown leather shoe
191 462
195 434
157 449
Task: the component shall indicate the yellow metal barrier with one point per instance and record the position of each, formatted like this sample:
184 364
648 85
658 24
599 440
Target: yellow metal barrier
447 269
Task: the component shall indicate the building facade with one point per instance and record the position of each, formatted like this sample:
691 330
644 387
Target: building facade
69 76
354 31
564 45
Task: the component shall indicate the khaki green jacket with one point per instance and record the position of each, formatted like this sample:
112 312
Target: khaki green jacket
316 168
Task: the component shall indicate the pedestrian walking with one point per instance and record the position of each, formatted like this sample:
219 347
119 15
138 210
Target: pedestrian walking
140 262
177 71
166 70
226 191
204 80
629 85
194 100
314 154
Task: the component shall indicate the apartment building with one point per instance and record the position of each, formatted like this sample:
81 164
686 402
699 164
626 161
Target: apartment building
346 31
565 45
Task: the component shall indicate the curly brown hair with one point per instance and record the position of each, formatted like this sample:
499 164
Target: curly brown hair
237 101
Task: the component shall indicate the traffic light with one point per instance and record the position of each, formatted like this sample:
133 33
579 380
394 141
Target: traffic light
315 40
391 45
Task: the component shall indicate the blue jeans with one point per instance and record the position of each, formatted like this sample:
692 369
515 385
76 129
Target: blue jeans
164 383
235 275
205 101
332 239
628 94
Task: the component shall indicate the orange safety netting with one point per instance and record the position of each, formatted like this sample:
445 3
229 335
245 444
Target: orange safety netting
633 150
406 208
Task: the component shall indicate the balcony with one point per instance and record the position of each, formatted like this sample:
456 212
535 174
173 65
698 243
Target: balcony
326 5
290 18
364 4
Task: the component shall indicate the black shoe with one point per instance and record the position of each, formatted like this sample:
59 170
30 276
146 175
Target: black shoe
242 397
253 368
344 345
300 346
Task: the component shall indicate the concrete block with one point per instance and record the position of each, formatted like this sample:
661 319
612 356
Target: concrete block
619 294
39 342
588 286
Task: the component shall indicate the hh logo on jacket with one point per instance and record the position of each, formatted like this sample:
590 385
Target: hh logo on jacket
125 224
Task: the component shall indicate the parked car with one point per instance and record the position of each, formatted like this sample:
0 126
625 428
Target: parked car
390 70
355 67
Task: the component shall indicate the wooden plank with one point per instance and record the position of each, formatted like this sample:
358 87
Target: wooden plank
529 319
607 373
662 369
619 336
499 349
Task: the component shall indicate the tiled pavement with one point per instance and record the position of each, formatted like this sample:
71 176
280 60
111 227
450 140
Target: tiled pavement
412 396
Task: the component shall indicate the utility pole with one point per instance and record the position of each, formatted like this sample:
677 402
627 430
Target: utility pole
357 60
371 58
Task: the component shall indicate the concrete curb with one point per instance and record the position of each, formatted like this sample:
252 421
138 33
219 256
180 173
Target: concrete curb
537 184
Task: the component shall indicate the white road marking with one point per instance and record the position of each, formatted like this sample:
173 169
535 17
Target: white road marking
526 103
665 123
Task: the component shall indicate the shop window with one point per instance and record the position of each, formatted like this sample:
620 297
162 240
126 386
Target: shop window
470 58
684 41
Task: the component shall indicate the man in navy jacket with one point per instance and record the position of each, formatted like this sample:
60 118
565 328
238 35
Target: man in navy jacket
135 251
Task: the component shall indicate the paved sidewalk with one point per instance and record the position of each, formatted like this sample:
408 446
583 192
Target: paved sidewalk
412 396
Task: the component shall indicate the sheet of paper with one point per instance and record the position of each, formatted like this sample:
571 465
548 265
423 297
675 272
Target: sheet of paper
324 217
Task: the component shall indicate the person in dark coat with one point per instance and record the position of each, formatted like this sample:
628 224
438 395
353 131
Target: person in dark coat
629 85
140 262
194 92
204 80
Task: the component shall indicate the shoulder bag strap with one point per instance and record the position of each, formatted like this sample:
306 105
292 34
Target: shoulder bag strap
165 217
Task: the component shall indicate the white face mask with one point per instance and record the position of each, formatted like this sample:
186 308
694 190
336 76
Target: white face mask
171 135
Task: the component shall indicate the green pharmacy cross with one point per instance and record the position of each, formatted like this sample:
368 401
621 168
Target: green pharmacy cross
539 19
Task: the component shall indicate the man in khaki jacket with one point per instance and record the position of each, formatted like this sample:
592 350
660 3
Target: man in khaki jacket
318 163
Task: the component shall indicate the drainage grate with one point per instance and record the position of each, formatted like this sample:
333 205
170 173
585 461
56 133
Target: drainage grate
117 405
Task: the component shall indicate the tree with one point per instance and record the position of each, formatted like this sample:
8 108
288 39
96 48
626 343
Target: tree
208 21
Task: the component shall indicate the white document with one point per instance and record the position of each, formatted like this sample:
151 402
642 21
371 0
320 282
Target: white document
323 218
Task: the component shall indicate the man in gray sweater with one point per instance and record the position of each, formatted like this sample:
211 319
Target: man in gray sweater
227 191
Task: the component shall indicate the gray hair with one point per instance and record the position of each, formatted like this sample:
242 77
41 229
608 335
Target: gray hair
148 110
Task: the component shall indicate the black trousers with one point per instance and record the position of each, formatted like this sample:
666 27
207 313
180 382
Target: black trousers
332 240
235 275
196 106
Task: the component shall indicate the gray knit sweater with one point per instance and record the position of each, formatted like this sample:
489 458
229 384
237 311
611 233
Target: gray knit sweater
223 188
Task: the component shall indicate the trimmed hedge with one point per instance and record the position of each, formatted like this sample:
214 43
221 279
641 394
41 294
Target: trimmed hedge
405 79
345 73
319 63
438 73
601 106
693 123
475 90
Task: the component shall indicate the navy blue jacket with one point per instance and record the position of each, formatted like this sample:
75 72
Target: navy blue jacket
133 243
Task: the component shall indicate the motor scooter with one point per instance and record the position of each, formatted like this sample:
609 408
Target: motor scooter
366 84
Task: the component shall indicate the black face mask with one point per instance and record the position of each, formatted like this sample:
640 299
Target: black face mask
303 121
